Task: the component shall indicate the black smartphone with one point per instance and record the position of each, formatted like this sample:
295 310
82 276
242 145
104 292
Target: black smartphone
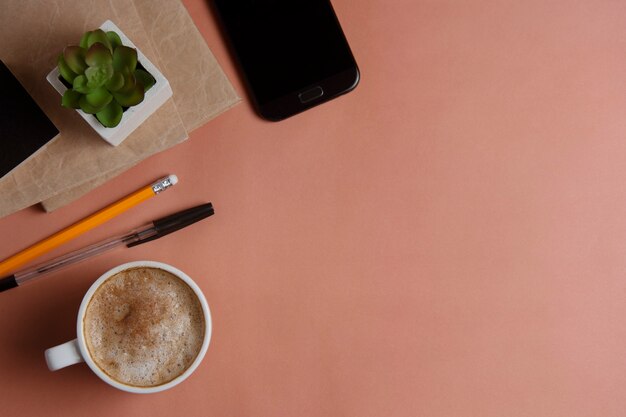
24 128
292 53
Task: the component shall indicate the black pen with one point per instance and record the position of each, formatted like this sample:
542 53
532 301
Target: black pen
152 231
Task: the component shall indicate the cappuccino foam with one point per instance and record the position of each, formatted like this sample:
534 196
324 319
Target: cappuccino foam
144 327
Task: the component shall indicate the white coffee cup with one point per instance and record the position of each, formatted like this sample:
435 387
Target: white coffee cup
75 351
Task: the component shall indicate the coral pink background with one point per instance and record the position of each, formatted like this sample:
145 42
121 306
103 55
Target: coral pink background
447 240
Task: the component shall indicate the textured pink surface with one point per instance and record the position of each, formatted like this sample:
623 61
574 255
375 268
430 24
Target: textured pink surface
447 240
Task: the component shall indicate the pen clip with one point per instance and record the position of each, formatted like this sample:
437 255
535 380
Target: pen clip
177 221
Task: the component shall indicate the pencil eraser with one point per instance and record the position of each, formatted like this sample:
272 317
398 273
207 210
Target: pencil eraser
173 179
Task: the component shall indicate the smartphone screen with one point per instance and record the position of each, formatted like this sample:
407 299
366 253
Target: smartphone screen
285 47
24 128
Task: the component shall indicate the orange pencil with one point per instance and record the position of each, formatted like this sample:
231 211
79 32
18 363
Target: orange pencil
86 224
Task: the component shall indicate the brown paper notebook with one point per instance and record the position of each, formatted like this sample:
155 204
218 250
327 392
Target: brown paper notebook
79 156
195 107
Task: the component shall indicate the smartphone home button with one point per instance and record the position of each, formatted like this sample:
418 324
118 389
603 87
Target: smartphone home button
311 94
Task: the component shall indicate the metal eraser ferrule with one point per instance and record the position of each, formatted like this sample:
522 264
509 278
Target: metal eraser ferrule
164 183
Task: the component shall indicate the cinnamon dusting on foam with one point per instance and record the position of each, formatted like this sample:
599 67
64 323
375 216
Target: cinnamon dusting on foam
144 327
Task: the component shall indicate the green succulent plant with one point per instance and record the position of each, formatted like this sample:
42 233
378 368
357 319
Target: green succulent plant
104 76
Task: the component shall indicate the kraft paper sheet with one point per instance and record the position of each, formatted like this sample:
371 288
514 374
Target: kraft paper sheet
80 160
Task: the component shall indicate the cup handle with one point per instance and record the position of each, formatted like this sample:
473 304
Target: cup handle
63 355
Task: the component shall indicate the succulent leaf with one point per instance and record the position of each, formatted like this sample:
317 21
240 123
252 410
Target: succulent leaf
99 97
98 54
80 84
111 115
129 82
116 82
131 98
75 58
114 39
145 79
71 99
98 36
65 71
88 107
98 76
125 58
83 41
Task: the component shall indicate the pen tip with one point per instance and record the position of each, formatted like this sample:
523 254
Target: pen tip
173 179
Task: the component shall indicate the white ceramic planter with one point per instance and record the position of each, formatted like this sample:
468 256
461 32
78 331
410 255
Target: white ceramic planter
133 116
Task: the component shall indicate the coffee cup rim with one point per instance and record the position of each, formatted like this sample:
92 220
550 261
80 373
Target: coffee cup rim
82 345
